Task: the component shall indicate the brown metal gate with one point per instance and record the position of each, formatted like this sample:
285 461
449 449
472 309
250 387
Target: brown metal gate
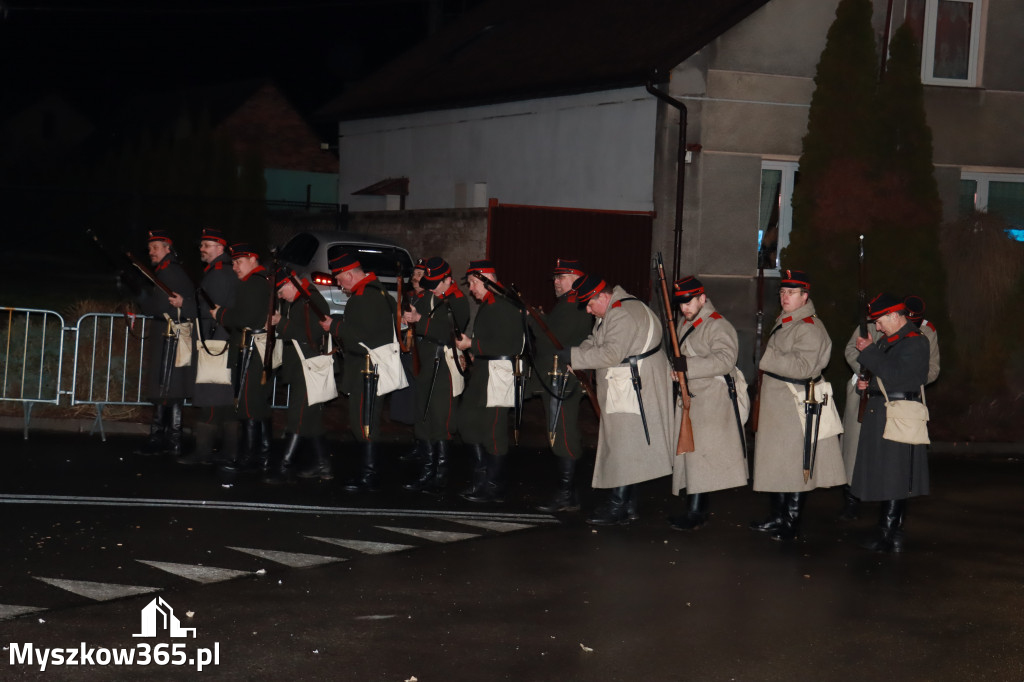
524 241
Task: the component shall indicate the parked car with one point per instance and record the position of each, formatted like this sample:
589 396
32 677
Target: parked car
309 254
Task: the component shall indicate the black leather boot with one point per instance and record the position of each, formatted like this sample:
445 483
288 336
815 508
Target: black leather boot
154 444
369 479
172 435
478 460
493 488
428 469
284 472
266 438
790 527
889 535
321 467
565 498
249 451
203 453
420 452
696 513
613 512
441 457
774 520
851 506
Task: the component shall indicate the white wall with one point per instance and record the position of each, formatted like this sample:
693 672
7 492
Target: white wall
593 150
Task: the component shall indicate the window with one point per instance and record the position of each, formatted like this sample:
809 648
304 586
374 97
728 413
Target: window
997 193
949 32
775 218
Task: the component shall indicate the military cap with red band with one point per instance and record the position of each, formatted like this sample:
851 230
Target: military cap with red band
434 270
588 287
686 288
212 234
243 249
915 308
795 279
343 262
420 265
883 304
482 266
565 266
159 236
283 275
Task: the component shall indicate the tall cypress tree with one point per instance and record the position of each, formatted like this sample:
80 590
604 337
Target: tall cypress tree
833 197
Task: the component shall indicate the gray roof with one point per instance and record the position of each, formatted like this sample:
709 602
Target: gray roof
506 50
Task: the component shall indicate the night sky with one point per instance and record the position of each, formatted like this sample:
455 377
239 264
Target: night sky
98 52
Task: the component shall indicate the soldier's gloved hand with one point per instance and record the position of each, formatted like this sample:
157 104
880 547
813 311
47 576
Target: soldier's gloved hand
679 364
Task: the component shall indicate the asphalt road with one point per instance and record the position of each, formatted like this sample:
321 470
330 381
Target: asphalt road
305 582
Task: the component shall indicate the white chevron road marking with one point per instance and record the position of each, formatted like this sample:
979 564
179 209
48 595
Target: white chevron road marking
291 559
499 526
432 535
200 574
364 546
11 611
98 591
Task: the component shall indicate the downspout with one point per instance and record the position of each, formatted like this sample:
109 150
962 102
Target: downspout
677 237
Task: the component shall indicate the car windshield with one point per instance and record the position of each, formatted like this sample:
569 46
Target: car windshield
381 260
300 249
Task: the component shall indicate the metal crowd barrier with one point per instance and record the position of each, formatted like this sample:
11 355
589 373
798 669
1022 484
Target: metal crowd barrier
107 361
33 351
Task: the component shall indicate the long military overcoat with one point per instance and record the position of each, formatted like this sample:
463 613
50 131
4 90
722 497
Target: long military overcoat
887 470
436 408
219 282
797 348
250 311
300 323
571 325
719 458
497 331
623 454
155 303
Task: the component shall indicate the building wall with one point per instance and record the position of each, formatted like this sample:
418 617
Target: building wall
586 151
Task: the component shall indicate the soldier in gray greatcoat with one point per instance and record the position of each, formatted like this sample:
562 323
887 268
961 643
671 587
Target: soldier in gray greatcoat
886 470
626 332
797 351
718 407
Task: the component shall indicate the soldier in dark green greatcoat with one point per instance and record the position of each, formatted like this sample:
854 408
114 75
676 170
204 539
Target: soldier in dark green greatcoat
215 403
483 418
298 323
166 390
886 470
369 322
571 324
247 319
437 314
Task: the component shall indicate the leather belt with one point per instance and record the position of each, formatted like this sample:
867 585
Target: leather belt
893 395
789 380
641 356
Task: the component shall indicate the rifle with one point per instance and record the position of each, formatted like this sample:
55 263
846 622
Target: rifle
755 412
862 302
138 264
268 355
517 299
685 442
406 339
321 315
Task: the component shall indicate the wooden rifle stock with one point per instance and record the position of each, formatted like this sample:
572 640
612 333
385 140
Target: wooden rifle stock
406 339
685 442
268 355
321 315
148 274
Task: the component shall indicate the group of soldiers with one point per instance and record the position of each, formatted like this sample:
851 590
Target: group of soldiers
469 384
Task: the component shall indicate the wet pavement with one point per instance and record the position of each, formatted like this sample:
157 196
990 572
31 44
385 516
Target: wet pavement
500 592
